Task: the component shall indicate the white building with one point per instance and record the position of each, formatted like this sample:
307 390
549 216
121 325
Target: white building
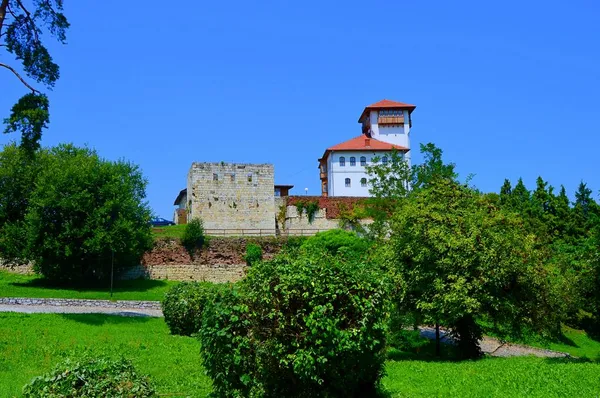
385 126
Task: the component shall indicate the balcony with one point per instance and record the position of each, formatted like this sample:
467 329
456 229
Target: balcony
390 120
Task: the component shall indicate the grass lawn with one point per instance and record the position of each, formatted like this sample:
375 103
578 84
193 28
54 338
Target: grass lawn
15 285
32 344
170 231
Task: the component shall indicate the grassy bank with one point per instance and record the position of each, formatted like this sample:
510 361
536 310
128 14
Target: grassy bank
32 344
15 285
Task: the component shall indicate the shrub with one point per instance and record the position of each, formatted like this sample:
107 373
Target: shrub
99 377
337 239
81 210
193 236
299 325
253 254
184 304
226 347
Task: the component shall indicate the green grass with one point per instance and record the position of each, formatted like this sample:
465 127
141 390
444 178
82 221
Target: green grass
15 285
32 344
493 377
171 231
575 342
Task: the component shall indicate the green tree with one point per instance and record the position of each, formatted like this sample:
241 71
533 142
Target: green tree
17 181
458 259
22 24
84 212
505 193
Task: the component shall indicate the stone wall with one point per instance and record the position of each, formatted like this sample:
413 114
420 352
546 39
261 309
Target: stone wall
232 196
24 269
122 304
188 272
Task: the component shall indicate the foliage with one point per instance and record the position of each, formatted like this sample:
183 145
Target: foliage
93 377
459 258
17 180
310 207
193 236
306 325
338 241
253 254
29 116
184 304
84 213
350 217
22 39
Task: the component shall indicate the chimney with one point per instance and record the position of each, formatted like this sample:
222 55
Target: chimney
367 142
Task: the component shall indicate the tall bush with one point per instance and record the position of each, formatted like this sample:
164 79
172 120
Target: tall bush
193 236
307 324
184 304
84 213
253 254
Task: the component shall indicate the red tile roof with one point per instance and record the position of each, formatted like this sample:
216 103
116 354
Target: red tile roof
363 143
387 104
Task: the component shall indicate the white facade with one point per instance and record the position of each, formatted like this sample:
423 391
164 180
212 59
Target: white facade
385 125
347 178
393 134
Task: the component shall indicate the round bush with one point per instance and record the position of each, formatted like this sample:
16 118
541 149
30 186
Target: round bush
98 377
253 254
183 306
307 324
336 241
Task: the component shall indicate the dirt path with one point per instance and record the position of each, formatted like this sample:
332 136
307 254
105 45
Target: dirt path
495 347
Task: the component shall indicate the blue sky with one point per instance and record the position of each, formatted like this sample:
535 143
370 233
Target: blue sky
506 89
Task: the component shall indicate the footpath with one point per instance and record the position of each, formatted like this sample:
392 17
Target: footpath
489 345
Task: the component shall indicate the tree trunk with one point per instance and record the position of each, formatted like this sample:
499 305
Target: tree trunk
437 339
3 7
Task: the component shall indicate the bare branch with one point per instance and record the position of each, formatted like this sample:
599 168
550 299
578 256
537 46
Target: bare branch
10 68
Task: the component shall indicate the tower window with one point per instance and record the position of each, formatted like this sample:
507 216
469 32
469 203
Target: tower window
232 177
352 161
363 161
348 183
215 177
342 161
363 182
384 160
249 177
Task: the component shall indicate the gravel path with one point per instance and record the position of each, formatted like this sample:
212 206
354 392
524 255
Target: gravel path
495 347
489 345
71 306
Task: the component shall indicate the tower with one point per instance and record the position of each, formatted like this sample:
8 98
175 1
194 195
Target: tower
385 127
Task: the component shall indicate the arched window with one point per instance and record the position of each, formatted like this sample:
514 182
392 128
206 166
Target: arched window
348 183
342 161
384 160
363 161
363 182
352 161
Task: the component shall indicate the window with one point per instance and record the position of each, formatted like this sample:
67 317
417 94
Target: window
215 177
348 183
391 112
249 177
342 161
352 161
363 182
384 160
363 161
232 177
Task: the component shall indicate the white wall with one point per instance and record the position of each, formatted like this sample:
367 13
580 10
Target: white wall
337 174
397 135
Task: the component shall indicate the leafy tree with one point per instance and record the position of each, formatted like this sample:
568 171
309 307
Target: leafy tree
17 180
21 29
458 259
83 213
433 168
505 192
